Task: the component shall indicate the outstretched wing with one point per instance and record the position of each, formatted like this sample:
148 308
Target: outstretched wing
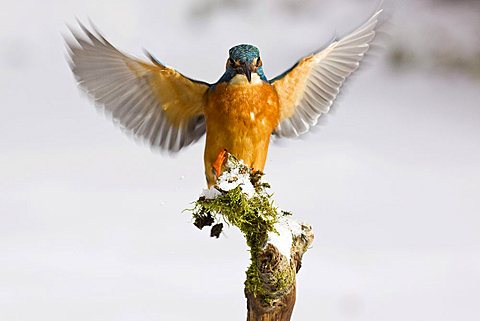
310 87
150 100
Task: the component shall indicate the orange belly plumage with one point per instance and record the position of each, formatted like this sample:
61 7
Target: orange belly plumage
240 118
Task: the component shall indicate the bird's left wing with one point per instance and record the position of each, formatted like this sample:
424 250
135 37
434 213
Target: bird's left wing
309 88
152 101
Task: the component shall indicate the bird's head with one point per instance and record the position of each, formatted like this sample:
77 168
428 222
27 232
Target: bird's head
244 60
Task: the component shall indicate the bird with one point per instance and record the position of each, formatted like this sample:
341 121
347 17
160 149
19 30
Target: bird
238 114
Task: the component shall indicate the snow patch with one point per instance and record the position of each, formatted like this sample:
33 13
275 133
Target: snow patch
282 239
234 177
210 193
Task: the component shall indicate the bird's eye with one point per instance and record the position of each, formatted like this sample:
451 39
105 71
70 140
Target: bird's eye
259 62
231 61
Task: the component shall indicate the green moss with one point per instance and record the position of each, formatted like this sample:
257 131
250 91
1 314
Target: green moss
255 217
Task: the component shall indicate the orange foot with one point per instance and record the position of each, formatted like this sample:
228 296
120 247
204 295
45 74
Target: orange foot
217 164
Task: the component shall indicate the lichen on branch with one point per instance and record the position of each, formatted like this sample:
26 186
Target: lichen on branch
240 198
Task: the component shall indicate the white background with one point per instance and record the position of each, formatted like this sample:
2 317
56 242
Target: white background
91 224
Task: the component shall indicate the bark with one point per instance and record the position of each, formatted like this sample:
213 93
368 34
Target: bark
278 277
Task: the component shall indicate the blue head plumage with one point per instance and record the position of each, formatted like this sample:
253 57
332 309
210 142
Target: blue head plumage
243 59
245 53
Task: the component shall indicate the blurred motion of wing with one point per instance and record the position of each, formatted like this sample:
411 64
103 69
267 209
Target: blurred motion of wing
310 87
150 100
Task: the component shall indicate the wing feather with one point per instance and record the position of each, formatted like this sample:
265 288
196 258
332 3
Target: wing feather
311 86
153 102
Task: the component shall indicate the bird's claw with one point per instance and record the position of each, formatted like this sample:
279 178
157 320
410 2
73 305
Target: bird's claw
217 164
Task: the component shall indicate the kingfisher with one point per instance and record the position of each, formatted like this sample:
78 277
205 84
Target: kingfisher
239 113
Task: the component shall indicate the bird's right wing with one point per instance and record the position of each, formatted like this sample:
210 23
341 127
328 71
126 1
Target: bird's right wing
152 101
309 88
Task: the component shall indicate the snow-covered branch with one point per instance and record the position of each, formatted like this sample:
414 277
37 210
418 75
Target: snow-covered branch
277 242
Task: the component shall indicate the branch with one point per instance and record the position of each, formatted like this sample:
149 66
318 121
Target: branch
277 243
277 274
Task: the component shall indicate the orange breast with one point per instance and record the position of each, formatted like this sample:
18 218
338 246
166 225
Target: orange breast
240 118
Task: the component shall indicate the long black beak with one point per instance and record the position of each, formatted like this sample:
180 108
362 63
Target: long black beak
247 71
